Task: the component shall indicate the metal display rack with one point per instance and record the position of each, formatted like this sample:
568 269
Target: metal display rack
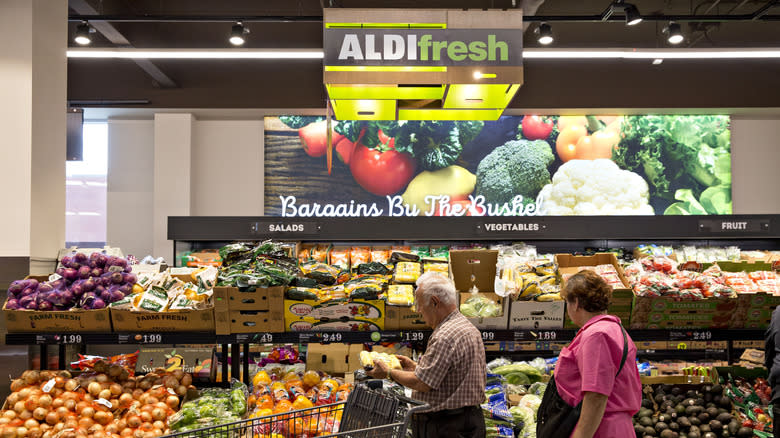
548 233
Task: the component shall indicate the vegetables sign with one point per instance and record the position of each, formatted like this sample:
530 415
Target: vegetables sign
515 166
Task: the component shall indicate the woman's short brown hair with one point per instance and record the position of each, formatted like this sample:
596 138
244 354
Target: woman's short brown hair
589 289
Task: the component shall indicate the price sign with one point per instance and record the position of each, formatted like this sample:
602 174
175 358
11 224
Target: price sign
331 337
547 335
702 336
265 338
148 338
69 339
414 336
488 336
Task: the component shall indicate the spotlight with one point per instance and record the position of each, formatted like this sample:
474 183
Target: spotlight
675 33
632 14
82 34
545 34
237 34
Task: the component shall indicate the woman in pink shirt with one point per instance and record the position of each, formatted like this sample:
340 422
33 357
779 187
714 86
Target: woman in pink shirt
587 369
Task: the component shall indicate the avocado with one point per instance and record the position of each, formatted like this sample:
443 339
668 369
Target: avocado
666 434
639 430
645 421
704 417
684 422
709 435
649 431
663 418
694 420
661 426
724 417
676 390
744 432
700 401
716 389
690 401
707 388
713 412
693 434
690 394
644 412
680 409
704 428
733 427
674 426
716 426
667 388
647 403
725 403
659 398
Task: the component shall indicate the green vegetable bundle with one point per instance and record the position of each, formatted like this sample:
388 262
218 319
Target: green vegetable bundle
682 158
215 406
246 265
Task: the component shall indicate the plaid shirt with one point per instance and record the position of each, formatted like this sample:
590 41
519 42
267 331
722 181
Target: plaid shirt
453 365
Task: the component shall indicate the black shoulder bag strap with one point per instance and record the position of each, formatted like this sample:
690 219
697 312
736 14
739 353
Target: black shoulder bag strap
625 350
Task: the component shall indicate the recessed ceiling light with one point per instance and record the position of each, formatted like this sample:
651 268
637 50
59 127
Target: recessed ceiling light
658 61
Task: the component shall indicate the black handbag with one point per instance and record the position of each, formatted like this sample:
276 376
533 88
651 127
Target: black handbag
556 418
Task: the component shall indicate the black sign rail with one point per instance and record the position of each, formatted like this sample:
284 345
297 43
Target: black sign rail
228 228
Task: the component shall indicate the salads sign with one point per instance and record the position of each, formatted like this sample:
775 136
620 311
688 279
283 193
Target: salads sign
414 47
515 166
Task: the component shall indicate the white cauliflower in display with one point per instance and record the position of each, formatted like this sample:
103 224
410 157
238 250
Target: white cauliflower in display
594 188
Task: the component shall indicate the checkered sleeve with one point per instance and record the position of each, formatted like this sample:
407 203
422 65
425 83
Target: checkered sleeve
435 364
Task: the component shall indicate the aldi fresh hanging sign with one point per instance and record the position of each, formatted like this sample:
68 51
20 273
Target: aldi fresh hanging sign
515 166
415 47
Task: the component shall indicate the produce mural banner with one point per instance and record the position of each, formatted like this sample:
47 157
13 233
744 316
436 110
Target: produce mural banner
515 166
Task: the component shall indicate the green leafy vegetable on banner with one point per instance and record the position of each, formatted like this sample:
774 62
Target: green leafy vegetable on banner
297 122
681 157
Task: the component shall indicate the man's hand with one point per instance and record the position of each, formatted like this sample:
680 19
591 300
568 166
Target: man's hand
379 371
406 363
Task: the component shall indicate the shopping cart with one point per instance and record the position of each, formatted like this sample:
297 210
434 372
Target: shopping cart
369 411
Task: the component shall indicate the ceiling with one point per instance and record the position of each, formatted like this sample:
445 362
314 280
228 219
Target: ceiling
227 82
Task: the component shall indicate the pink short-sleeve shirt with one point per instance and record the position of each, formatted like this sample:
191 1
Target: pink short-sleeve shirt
589 364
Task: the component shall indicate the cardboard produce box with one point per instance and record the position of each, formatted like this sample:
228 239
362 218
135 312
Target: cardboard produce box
261 298
334 315
473 268
333 358
65 321
178 321
536 314
490 323
403 318
251 321
622 298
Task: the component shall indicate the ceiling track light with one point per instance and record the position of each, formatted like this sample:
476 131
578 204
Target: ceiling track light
237 34
674 32
630 10
545 34
82 36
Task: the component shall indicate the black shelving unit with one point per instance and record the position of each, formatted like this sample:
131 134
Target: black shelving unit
549 234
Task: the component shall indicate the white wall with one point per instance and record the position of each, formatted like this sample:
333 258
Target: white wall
130 199
227 168
755 145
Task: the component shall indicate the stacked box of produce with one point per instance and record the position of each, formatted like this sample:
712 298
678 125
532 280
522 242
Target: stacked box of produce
665 297
758 292
670 411
106 399
531 285
689 253
74 299
250 290
474 271
400 313
277 391
341 289
606 265
162 302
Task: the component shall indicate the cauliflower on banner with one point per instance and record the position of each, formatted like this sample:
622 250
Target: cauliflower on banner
593 188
